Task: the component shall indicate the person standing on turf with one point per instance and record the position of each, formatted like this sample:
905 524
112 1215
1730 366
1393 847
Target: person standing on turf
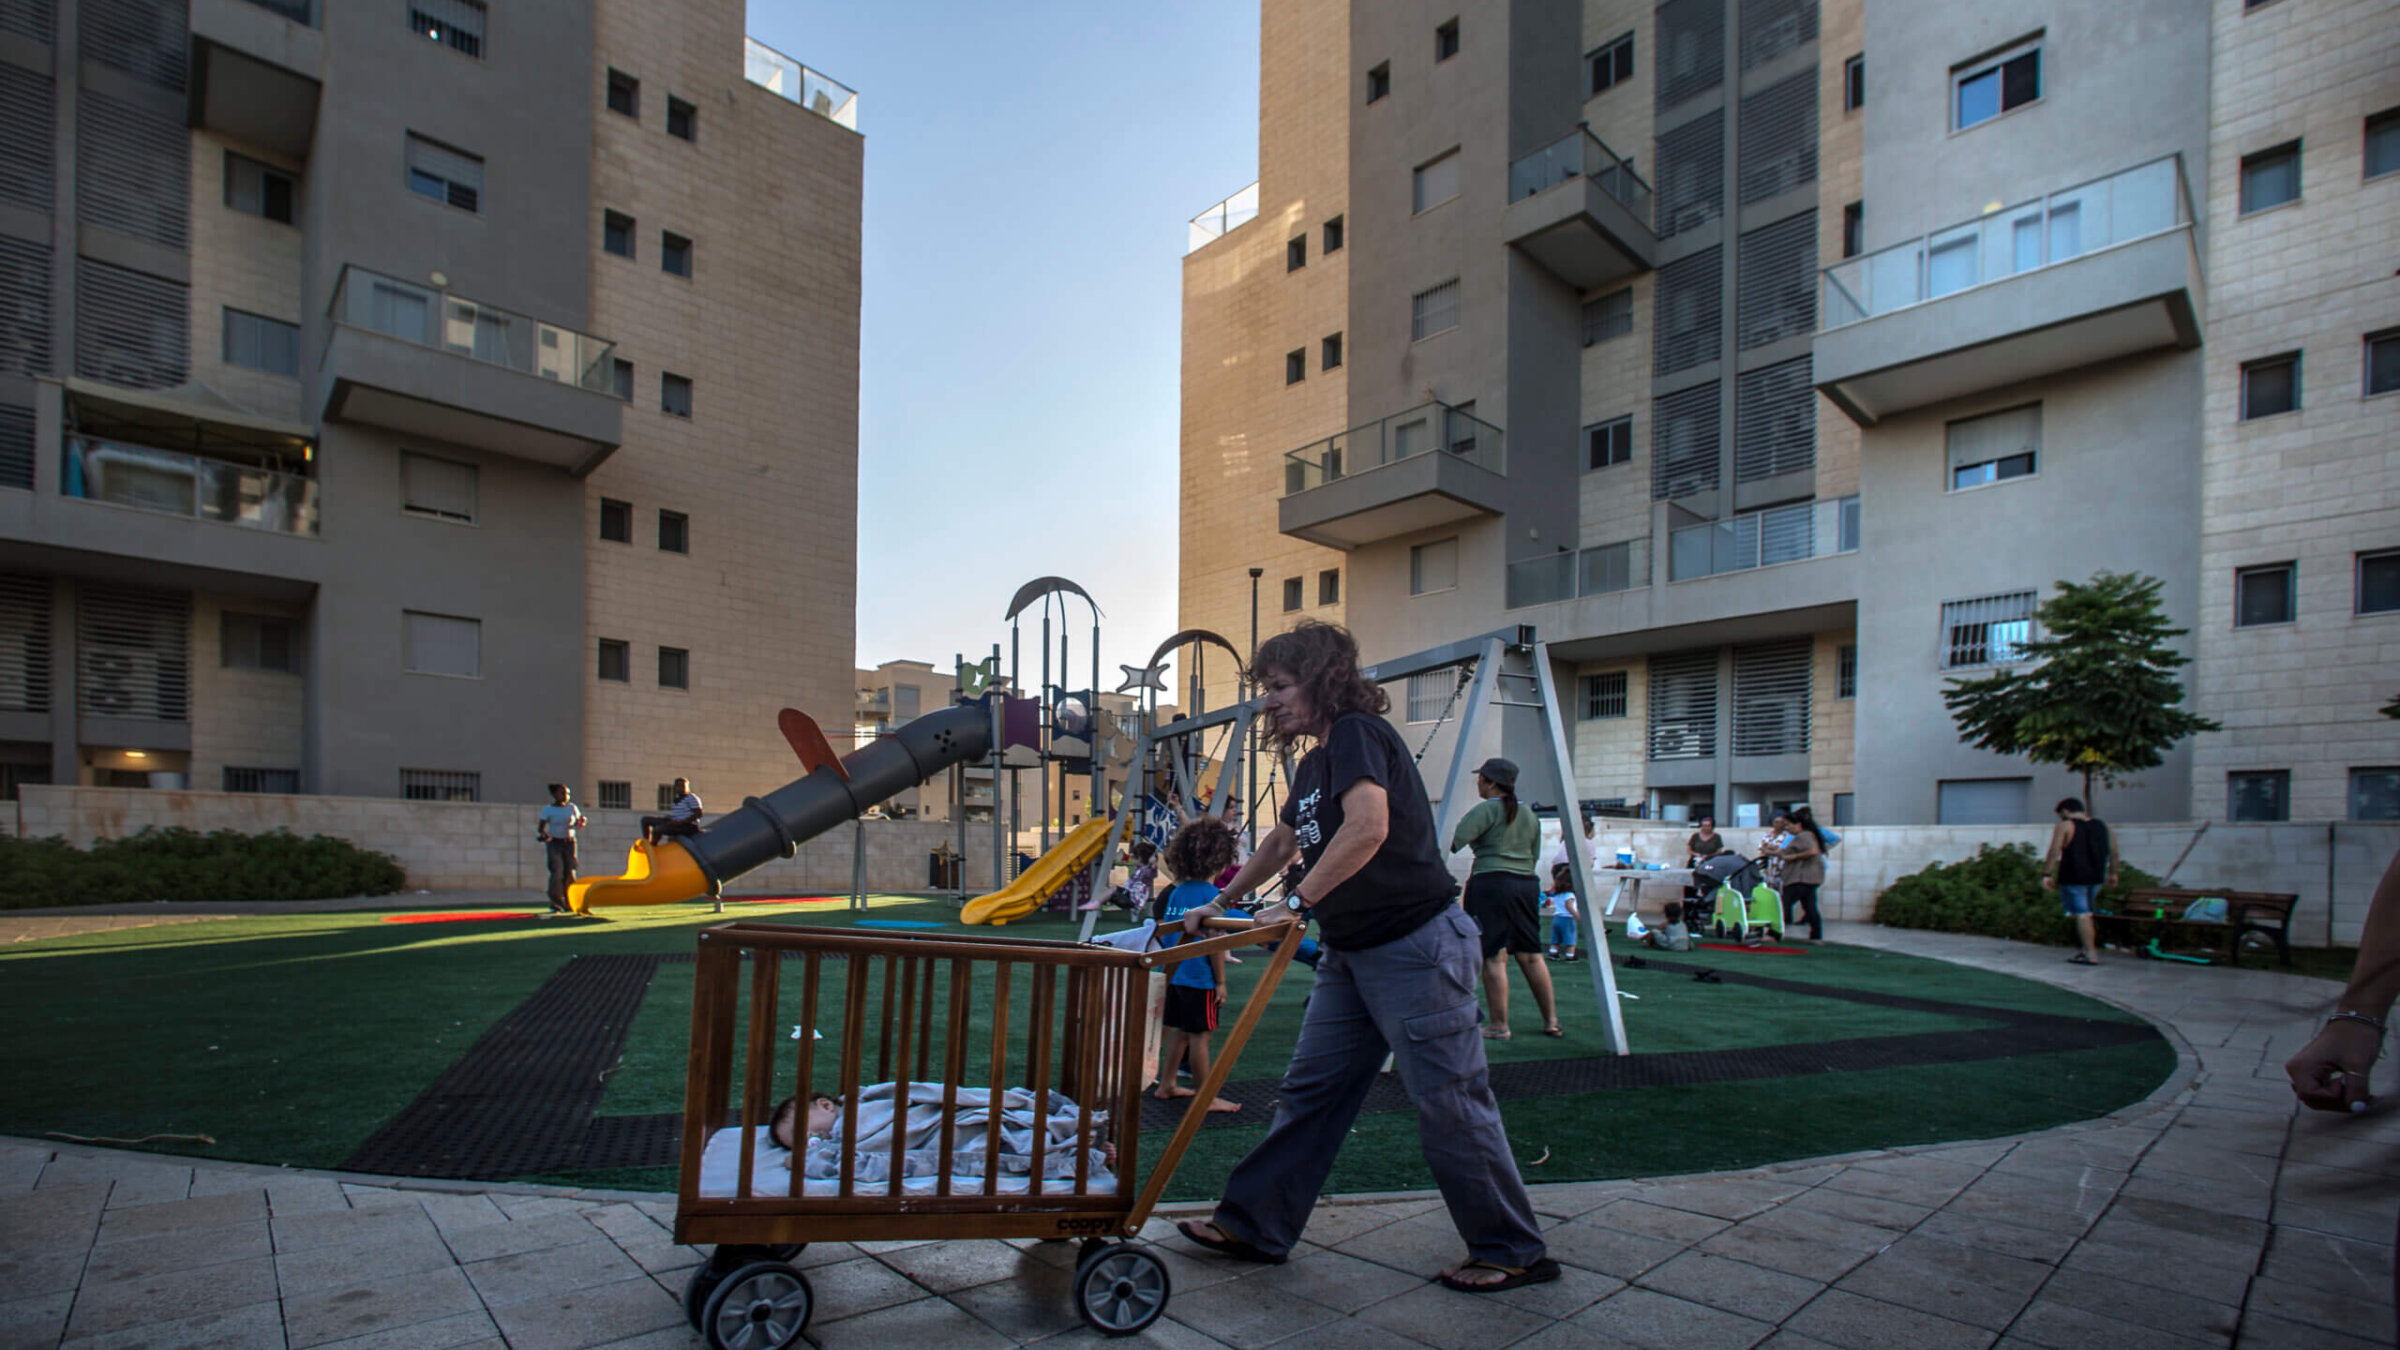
1504 896
556 829
2082 859
1397 977
1195 989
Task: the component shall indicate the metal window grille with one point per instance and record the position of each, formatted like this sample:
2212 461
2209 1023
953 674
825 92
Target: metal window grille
1689 313
147 39
457 24
1610 568
24 644
133 656
1990 630
35 19
1774 421
1609 316
1779 138
1691 175
1777 275
131 328
257 342
285 781
614 795
1691 50
1429 693
1608 443
441 488
1683 706
674 668
257 642
133 169
1772 27
1684 436
24 307
27 167
1771 697
1433 311
2261 795
440 644
441 785
1605 695
1845 671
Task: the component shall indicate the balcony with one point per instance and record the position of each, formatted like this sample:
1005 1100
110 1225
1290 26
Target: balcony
257 67
1578 208
195 487
1754 539
786 78
1217 221
425 362
1603 570
2062 282
1413 470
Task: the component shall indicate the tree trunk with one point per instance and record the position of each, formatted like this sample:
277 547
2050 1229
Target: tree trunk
2088 804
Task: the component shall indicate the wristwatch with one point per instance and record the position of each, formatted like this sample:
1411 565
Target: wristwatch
1295 904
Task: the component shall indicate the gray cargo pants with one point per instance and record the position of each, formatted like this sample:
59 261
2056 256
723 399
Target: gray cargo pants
1415 998
562 871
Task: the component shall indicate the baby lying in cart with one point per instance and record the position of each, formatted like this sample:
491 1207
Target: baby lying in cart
814 1135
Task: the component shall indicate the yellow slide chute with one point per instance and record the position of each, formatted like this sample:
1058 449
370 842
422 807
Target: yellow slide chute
1034 887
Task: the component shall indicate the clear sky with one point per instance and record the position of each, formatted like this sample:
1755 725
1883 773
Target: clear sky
1030 170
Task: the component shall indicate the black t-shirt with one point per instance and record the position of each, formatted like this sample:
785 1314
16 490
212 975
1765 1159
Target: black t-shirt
1405 883
2084 861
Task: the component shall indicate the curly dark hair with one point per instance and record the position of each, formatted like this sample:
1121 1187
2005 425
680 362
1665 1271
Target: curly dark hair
1322 658
1200 850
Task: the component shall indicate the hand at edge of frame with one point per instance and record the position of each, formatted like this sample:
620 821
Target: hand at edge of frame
2331 1072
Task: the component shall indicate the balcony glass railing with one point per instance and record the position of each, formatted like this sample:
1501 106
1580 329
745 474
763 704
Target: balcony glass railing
1603 570
1779 534
436 318
2131 204
298 11
1392 439
814 90
1239 209
194 486
1580 154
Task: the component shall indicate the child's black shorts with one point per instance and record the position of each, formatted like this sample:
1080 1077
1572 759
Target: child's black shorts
1192 1010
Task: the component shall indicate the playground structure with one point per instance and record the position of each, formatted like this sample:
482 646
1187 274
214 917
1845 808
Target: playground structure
1034 886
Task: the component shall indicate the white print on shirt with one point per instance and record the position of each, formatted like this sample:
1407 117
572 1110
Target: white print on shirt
1307 831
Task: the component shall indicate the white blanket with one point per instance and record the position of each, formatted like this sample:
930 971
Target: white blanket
821 1166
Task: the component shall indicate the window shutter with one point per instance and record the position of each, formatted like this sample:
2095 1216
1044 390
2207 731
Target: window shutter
136 653
1770 698
438 644
1980 440
24 644
437 487
1683 706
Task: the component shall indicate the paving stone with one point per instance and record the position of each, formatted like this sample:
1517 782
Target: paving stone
451 1213
1858 1323
381 1197
2128 1265
2125 1228
1247 1317
1649 1220
594 1315
1919 1167
1573 1291
485 1241
332 1227
36 1322
398 1250
169 1216
1164 1334
1655 1321
1880 1213
1346 1333
535 1206
2360 1270
1812 1246
861 1285
2239 1200
247 1328
2263 1331
1568 1336
291 1197
2032 1244
1731 1199
1986 1207
184 1249
348 1312
665 1338
31 1274
1569 1199
1338 1280
2182 1313
946 1266
2320 1308
2061 1326
51 1220
1735 1286
460 1331
1333 1225
551 1271
1417 1249
665 1258
113 1305
1037 1302
131 1180
1450 1320
1947 1279
1592 1246
627 1225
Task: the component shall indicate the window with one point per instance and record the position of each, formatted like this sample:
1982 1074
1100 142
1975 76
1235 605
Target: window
1985 89
2379 582
616 520
1982 801
616 233
456 24
1295 253
1608 316
257 342
674 668
683 120
2271 177
257 190
2383 362
1333 235
613 795
2270 385
1329 353
1854 83
1604 695
258 642
674 255
1854 229
440 644
2264 595
1291 595
1435 182
624 94
1991 631
1612 65
674 532
1611 442
1845 809
441 488
1433 311
1433 567
1445 42
1845 671
616 661
675 394
444 174
1295 365
2375 794
1430 693
1379 81
440 785
283 781
621 376
1995 447
2259 795
1329 586
2383 143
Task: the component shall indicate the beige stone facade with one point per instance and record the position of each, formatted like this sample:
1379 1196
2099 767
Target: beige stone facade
243 262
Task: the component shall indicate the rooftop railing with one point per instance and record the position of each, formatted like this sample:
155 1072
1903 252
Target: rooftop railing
2007 241
1779 534
1239 209
814 90
173 483
1580 154
1389 440
431 317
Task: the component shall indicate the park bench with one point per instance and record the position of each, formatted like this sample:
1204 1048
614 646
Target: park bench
2162 907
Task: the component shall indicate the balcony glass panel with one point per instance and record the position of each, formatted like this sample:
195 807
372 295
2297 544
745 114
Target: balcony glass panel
1779 534
814 90
434 318
1239 209
1539 581
1391 439
197 487
1580 154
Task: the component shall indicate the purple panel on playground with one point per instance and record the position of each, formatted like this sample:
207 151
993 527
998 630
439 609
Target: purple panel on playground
1021 723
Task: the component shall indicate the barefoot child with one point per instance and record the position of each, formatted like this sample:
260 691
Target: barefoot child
1195 989
1563 913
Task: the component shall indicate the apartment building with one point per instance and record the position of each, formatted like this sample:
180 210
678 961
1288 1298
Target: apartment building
420 398
1775 357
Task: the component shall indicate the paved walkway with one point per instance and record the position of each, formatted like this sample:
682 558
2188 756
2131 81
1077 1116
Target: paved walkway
2211 1215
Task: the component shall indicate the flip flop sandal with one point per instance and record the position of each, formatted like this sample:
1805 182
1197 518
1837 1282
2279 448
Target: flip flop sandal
1491 1035
1195 1231
1554 1031
1540 1272
2079 959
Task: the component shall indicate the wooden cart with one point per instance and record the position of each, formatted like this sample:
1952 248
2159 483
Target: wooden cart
1056 1017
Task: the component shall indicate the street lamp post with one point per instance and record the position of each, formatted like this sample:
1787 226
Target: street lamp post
1250 739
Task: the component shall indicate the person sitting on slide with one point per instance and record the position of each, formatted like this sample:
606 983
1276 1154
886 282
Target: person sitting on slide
683 818
817 1138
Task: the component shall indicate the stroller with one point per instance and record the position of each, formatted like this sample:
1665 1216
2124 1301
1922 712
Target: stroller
1736 900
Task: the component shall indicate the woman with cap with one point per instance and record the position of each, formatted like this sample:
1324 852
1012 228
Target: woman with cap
1504 894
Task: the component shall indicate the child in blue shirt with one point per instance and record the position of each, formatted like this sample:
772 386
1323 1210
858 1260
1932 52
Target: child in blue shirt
1195 989
1563 913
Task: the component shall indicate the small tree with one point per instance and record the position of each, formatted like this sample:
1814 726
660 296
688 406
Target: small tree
2100 698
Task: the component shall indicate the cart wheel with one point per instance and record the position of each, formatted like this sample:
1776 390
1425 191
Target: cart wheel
696 1290
762 1306
1121 1289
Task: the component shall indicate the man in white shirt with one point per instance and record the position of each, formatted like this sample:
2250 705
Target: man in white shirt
681 819
556 829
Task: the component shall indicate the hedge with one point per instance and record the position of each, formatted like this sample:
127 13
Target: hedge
1996 893
186 865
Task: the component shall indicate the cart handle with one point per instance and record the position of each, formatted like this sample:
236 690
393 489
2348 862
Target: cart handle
1239 933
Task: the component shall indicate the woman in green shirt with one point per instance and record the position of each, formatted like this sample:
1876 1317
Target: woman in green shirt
1504 896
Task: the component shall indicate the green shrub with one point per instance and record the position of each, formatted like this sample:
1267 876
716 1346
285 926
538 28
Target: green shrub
181 864
1996 893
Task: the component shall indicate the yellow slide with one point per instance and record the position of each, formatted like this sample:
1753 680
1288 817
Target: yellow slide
1042 880
655 874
